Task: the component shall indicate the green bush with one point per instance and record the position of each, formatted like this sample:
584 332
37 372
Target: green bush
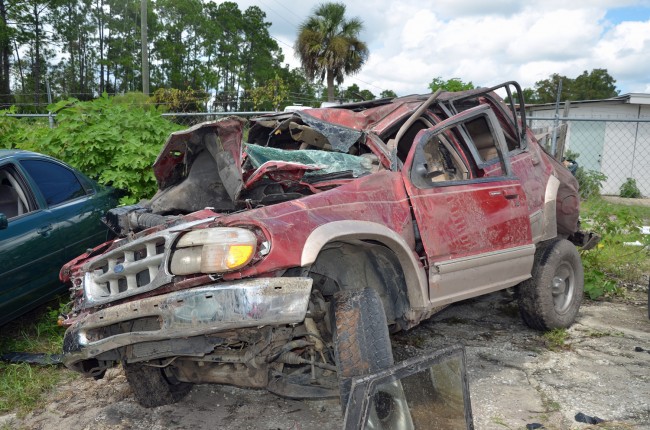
590 182
20 132
629 189
109 140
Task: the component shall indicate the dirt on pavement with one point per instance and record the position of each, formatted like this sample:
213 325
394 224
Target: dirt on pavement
602 369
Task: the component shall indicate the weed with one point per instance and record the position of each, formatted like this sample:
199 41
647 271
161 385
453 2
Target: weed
590 182
555 339
596 282
630 190
613 263
549 404
499 421
598 334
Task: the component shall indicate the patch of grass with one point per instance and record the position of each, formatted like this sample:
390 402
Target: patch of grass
22 386
556 339
499 421
549 404
598 334
612 264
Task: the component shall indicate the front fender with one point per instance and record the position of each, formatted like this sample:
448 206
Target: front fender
341 231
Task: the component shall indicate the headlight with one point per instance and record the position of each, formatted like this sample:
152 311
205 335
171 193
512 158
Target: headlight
213 250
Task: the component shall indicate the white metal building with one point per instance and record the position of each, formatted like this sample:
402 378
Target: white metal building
614 143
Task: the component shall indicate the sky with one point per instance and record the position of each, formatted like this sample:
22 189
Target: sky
485 42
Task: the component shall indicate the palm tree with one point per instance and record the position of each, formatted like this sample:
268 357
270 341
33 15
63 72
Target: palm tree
328 45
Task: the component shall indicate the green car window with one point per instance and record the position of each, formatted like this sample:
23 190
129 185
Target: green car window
57 183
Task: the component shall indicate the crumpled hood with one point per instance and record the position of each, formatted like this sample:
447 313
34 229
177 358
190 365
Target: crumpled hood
223 139
204 166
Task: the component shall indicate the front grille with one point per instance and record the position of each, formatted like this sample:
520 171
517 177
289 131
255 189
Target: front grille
132 268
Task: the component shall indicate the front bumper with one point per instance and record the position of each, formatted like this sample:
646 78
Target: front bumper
183 314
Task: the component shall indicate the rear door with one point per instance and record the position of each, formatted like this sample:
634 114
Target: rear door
474 228
31 249
75 206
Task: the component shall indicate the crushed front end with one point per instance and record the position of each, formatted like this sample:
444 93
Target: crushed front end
158 299
166 293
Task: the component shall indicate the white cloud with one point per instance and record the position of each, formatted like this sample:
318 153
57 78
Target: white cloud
627 49
413 41
555 35
455 8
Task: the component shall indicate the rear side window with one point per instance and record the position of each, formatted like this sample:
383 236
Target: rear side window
479 130
57 183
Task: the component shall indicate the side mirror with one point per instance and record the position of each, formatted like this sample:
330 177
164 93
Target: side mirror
3 221
429 391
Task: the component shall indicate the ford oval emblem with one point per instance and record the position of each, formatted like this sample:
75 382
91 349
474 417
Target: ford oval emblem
118 269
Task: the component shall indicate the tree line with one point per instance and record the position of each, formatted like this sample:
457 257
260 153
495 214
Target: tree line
84 48
203 56
594 85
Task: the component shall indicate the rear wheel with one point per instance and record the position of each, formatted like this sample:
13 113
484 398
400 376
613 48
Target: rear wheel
154 386
361 340
552 297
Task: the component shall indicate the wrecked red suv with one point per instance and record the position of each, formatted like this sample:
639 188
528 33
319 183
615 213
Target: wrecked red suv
284 262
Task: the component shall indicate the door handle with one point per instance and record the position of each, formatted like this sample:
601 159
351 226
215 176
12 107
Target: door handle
511 193
45 230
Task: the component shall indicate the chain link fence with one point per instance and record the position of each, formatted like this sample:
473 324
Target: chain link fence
616 152
193 118
613 169
619 149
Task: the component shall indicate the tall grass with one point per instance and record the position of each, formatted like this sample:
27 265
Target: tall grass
23 387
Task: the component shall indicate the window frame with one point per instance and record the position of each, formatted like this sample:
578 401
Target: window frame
457 122
40 190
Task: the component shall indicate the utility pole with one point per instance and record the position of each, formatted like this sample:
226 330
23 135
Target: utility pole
556 122
145 52
49 101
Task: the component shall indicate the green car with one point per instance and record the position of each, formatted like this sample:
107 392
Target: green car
49 214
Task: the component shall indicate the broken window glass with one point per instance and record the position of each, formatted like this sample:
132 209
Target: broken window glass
327 162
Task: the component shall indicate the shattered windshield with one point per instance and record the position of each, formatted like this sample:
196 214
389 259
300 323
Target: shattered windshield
325 162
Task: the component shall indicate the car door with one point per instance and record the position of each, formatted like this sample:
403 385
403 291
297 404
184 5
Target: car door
31 249
75 205
474 228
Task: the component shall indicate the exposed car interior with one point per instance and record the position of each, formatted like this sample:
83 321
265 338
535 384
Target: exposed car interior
13 201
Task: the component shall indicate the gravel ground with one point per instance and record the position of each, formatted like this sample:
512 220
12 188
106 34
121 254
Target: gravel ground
603 370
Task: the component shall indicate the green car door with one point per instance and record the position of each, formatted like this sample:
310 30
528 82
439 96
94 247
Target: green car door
52 214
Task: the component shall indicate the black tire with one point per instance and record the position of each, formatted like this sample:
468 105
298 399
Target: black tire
152 387
361 340
552 297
